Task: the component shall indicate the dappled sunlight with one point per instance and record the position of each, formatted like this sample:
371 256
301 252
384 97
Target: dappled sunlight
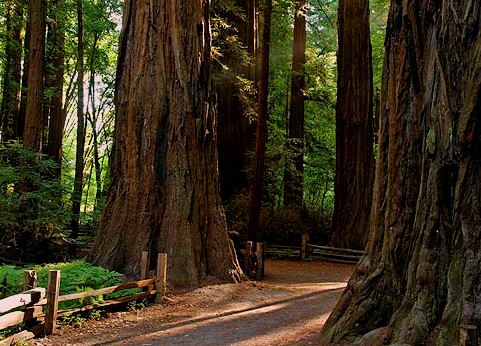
244 326
288 307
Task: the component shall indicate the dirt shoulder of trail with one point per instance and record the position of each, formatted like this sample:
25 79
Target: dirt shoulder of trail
288 307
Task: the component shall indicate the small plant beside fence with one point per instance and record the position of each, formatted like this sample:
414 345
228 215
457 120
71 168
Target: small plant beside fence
38 308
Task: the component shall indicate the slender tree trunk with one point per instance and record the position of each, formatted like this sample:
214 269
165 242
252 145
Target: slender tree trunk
92 119
19 123
294 172
33 132
354 128
419 279
261 137
10 106
54 108
79 156
164 191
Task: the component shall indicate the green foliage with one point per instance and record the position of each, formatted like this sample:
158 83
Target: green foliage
74 320
76 276
319 142
378 18
137 305
33 214
101 29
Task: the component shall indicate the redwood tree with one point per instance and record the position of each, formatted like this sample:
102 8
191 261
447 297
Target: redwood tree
10 107
33 132
236 129
164 192
294 173
354 127
261 135
419 279
55 81
80 148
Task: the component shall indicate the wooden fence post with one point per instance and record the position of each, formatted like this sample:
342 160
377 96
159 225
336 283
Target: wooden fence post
161 277
29 279
247 258
305 239
51 308
468 335
144 265
264 250
260 257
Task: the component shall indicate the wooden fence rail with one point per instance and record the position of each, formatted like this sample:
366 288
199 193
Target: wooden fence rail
40 305
307 250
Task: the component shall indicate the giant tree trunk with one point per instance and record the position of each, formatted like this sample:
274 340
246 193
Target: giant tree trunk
420 278
10 107
294 173
236 129
354 128
164 192
33 132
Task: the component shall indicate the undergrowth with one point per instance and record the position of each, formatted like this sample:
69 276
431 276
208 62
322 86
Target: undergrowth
76 276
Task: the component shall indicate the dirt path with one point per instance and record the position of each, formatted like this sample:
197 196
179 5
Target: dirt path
289 307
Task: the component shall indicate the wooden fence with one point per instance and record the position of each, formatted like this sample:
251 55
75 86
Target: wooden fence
307 250
37 307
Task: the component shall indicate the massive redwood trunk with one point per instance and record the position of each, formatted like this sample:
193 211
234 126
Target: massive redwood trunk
354 128
164 193
419 279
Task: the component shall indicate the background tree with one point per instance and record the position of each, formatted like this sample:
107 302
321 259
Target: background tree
54 81
262 119
354 127
12 71
294 171
164 193
33 132
79 157
419 278
235 88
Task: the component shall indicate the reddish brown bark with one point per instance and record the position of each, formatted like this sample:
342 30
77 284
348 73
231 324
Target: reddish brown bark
294 173
164 192
261 136
419 278
354 128
54 80
33 131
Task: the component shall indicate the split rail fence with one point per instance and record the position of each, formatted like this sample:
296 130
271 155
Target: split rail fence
37 307
307 250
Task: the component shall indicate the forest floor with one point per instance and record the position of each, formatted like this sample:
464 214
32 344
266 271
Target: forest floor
288 307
